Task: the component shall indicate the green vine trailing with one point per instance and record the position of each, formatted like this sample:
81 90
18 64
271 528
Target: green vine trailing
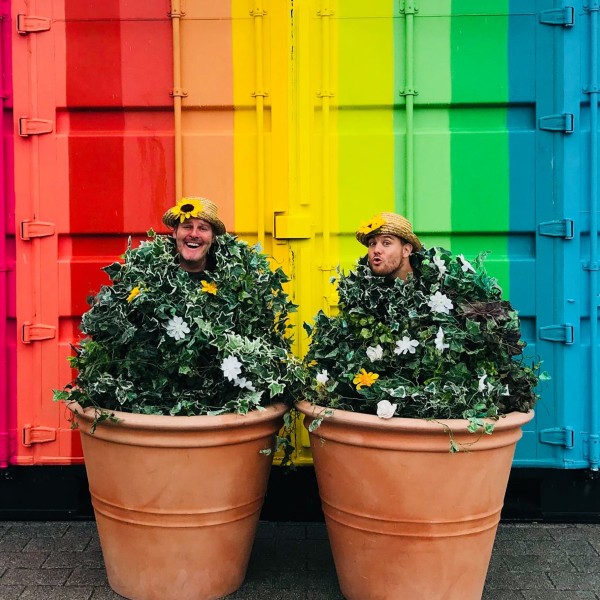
159 342
440 345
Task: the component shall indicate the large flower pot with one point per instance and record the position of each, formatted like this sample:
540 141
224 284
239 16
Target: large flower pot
177 499
407 519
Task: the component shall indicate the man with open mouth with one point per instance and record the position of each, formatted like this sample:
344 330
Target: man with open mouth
195 225
390 241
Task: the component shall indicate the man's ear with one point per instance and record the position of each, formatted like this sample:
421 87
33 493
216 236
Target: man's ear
407 249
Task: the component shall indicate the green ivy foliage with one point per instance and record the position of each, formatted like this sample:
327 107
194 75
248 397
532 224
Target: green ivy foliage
129 361
478 372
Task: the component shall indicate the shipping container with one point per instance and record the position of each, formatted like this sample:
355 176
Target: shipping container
301 119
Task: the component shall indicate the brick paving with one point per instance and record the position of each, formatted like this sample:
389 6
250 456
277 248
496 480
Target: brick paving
533 561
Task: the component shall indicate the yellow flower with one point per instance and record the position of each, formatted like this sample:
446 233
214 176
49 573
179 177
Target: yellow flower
209 287
312 363
363 378
187 208
375 223
136 291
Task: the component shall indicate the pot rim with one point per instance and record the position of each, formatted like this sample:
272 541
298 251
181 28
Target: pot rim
339 416
179 422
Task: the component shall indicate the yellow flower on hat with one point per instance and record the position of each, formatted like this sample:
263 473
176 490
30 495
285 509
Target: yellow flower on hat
209 287
187 208
372 225
364 379
136 291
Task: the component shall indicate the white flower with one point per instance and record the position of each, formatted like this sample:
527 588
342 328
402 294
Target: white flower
439 340
322 377
385 409
466 265
406 345
177 328
231 367
440 264
243 383
375 352
440 303
506 391
482 385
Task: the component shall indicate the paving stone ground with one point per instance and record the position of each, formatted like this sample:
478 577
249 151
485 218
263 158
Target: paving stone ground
292 561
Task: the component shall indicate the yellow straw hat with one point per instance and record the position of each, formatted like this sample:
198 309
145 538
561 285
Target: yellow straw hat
390 223
194 207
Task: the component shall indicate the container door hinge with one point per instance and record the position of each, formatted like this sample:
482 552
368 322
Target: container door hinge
36 332
38 435
558 436
564 123
36 229
558 16
29 127
563 228
27 24
564 334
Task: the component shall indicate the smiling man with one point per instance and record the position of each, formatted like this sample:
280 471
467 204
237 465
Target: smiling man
390 241
195 224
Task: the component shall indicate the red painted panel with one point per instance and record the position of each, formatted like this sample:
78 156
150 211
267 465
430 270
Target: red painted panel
102 75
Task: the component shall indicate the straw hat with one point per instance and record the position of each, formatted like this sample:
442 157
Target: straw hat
196 208
391 223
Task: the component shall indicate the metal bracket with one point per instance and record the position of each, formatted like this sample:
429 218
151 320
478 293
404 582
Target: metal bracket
591 266
563 228
29 126
38 435
36 332
408 7
564 334
27 24
178 93
408 92
564 123
177 9
36 229
558 16
558 436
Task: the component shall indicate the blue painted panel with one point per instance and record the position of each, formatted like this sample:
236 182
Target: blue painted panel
558 287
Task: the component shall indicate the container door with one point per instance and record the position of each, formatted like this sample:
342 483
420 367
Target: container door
93 161
431 109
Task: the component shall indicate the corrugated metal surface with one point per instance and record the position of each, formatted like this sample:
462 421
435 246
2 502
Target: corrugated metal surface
301 120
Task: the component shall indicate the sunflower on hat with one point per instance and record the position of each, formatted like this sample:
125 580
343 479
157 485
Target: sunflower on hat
371 225
187 208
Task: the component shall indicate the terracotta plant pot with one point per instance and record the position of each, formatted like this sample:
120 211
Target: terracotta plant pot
407 519
177 499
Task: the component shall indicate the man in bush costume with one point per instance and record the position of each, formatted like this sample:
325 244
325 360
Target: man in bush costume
195 225
390 241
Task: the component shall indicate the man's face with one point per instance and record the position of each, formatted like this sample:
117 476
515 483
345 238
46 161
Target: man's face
193 239
389 256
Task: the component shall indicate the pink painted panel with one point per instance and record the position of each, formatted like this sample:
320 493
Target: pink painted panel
8 393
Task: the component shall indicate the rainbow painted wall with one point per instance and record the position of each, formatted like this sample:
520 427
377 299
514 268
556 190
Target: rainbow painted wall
301 120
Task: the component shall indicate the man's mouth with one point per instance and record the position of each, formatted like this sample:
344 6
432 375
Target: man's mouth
192 245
